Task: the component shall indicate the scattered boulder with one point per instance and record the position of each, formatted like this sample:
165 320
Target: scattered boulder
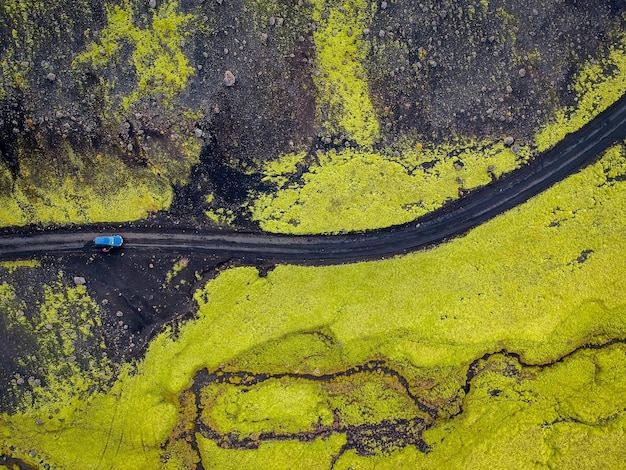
229 78
79 280
508 141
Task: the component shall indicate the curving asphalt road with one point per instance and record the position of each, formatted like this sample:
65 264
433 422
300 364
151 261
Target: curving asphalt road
570 155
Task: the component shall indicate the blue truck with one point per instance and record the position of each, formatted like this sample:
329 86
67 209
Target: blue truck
108 242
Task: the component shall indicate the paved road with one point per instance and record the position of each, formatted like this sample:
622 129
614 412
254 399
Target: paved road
456 218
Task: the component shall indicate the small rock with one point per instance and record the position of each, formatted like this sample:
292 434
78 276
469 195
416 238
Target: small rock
509 89
325 15
272 20
79 280
229 78
119 313
105 301
198 132
102 51
515 149
151 265
381 33
508 141
490 168
59 114
280 21
522 72
366 31
51 77
383 5
264 37
349 33
152 3
129 147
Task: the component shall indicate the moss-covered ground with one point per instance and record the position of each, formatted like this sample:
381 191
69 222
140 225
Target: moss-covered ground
103 189
503 348
88 154
541 282
357 189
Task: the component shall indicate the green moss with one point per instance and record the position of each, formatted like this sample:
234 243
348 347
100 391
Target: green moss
69 358
355 190
13 265
518 282
569 415
358 190
598 85
218 215
288 405
344 102
176 269
160 66
276 455
102 189
280 406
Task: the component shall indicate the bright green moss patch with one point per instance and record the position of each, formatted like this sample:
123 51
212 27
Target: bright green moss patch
598 85
538 281
279 406
104 189
355 190
300 404
358 190
159 63
569 415
344 103
276 455
13 265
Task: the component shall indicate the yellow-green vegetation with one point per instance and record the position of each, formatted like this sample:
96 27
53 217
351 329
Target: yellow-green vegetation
275 455
13 265
356 190
178 267
273 406
599 84
69 356
569 415
539 281
161 67
291 404
344 105
101 188
218 215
